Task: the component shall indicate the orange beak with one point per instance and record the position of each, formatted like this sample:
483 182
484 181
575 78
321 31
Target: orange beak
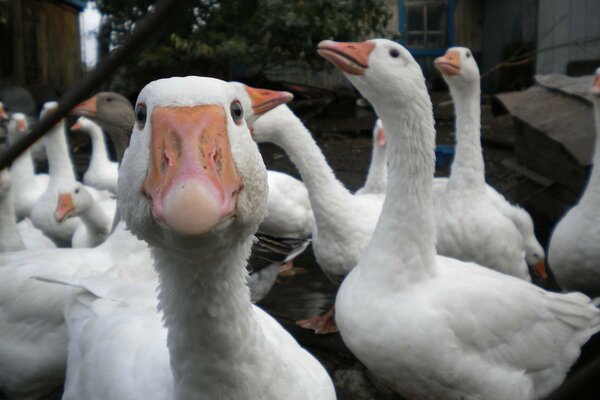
192 182
540 269
21 125
449 63
76 126
380 137
350 57
86 108
3 114
64 208
596 86
264 100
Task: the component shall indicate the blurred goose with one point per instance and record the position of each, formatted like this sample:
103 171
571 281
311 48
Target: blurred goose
27 185
102 172
434 327
469 225
574 251
344 222
219 344
74 200
377 176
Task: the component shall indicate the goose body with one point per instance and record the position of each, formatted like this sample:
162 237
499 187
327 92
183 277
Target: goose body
445 328
573 252
27 185
33 334
102 172
469 225
219 345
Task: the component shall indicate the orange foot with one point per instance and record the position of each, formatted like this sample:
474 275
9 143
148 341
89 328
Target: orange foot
286 266
322 324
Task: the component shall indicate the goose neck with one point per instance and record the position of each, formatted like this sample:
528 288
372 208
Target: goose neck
99 153
406 229
22 170
377 176
325 191
591 193
467 169
209 318
95 220
57 150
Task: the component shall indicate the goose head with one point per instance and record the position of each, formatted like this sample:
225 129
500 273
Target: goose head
458 67
17 126
114 113
191 172
73 199
378 68
82 123
258 101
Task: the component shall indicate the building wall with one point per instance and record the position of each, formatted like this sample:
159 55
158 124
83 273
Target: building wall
568 30
45 47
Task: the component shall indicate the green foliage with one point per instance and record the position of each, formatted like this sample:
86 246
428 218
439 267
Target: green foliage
216 38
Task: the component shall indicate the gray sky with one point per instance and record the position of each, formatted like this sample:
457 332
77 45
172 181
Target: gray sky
89 24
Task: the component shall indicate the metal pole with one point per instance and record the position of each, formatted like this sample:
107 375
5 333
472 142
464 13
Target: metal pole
92 81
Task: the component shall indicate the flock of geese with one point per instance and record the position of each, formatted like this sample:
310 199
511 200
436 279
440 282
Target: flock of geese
435 295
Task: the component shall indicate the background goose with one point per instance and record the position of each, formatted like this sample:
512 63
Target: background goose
27 186
102 172
444 328
60 171
216 334
469 226
574 251
344 222
74 200
377 176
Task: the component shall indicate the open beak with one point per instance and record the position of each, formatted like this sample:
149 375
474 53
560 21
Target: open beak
540 269
86 108
449 63
350 57
3 114
192 182
264 100
64 207
596 86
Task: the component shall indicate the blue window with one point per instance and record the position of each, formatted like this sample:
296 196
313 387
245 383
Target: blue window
426 26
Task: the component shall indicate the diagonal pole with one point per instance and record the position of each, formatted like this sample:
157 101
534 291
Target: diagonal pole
76 94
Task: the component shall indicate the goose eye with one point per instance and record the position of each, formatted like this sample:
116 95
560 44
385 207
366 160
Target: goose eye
77 191
237 112
468 54
394 53
140 115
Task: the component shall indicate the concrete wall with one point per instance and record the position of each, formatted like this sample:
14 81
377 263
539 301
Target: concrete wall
568 30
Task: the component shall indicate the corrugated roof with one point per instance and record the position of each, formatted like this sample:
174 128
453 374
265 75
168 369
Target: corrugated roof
559 107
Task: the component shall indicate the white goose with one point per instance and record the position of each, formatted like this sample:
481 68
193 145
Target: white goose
102 172
74 200
219 344
469 226
434 327
27 185
344 222
574 251
61 172
376 182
